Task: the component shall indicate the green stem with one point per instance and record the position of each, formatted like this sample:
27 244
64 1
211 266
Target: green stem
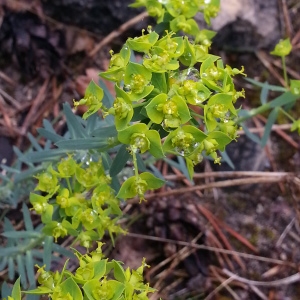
134 160
284 71
254 112
69 185
287 114
196 115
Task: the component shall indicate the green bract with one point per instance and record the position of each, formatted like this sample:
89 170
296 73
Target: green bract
184 141
138 185
140 137
171 112
186 8
117 65
92 98
143 43
122 109
283 48
181 23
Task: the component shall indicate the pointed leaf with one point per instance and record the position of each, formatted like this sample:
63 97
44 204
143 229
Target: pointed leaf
16 291
268 128
29 264
71 287
119 161
27 218
75 127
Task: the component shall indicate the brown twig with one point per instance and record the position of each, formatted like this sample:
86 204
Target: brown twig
213 249
262 56
116 33
275 283
219 184
227 174
287 20
10 99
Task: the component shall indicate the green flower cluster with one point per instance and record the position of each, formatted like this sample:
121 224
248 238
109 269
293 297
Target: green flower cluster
179 92
96 278
169 96
76 200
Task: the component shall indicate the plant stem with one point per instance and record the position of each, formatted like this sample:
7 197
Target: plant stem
287 114
134 160
69 185
284 71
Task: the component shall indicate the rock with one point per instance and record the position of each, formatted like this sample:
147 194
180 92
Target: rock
247 25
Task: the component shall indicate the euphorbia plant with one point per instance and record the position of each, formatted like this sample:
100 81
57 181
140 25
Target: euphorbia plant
178 100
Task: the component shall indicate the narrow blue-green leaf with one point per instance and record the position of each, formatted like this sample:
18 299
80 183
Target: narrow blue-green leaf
22 157
105 132
264 93
140 163
10 169
32 297
8 251
3 263
156 172
115 184
270 87
82 144
108 99
48 242
5 290
34 142
27 218
227 159
251 136
4 178
54 137
21 269
119 161
47 125
11 268
283 99
183 168
21 234
29 264
176 165
28 173
7 225
38 257
47 155
63 251
74 125
106 160
91 123
268 128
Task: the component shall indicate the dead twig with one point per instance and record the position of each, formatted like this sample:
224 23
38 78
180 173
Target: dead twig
219 184
285 232
227 174
213 249
262 56
10 99
284 281
116 33
287 19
